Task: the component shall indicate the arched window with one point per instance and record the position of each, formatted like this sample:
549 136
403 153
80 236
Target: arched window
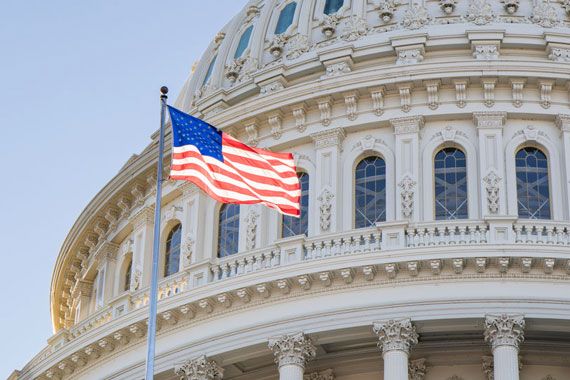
332 6
533 190
450 171
298 226
210 70
370 192
286 18
172 252
128 270
228 230
243 42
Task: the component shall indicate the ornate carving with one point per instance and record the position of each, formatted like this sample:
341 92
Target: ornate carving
517 91
447 6
433 95
325 108
488 367
300 115
489 119
417 369
480 12
199 369
368 143
407 186
124 203
188 247
252 130
504 330
545 93
327 374
136 282
251 13
297 45
293 349
351 103
398 335
486 52
325 207
275 121
270 88
460 93
386 10
378 101
489 91
410 56
416 17
329 24
405 98
251 234
354 28
233 69
511 6
557 54
491 182
138 192
324 139
336 69
545 14
409 124
277 45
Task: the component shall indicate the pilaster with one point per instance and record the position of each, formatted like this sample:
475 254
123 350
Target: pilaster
143 222
407 186
292 352
396 338
563 122
491 162
193 214
328 148
505 333
199 369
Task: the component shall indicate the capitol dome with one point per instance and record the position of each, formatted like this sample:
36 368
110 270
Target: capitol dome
432 142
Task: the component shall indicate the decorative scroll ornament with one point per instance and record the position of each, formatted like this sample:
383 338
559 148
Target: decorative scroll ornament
386 10
325 201
277 45
199 368
492 181
354 28
480 12
447 6
511 6
293 349
329 25
407 184
327 374
417 369
189 249
137 280
545 15
398 335
233 70
251 229
297 45
416 17
504 330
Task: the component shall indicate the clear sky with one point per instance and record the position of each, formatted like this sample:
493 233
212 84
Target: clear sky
79 87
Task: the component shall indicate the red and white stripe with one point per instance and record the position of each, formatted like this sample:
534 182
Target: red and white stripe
247 175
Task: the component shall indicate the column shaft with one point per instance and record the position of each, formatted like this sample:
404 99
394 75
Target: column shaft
506 363
291 372
395 365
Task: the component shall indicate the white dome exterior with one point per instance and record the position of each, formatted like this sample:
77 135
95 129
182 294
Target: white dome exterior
447 298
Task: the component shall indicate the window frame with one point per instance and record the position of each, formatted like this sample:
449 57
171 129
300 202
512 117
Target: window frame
358 161
218 234
467 197
308 212
544 151
166 253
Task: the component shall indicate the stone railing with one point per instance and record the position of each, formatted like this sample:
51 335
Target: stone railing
341 244
99 318
446 233
247 262
541 232
167 287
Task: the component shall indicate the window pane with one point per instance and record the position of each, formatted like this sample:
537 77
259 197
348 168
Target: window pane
243 42
172 253
286 18
450 171
533 189
127 284
228 232
298 226
370 192
210 70
332 6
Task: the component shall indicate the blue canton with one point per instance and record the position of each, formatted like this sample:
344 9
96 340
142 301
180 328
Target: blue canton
189 130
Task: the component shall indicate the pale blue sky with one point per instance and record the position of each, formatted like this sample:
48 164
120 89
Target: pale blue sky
79 87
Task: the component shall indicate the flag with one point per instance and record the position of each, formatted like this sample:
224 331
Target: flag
230 171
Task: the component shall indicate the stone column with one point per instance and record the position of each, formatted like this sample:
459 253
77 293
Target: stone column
407 151
505 333
291 354
199 368
328 146
142 222
396 337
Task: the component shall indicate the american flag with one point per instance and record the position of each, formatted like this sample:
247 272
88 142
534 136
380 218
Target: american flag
230 171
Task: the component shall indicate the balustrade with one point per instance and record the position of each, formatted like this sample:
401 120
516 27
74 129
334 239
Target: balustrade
541 232
359 241
447 233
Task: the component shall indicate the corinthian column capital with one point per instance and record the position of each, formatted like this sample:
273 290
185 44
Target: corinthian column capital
292 349
399 335
504 330
199 369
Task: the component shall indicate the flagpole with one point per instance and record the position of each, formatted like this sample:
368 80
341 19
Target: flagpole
151 335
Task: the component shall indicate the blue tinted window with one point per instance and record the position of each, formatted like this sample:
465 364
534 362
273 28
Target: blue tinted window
332 6
370 192
228 231
210 70
298 226
127 283
533 190
243 42
172 253
286 18
450 170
